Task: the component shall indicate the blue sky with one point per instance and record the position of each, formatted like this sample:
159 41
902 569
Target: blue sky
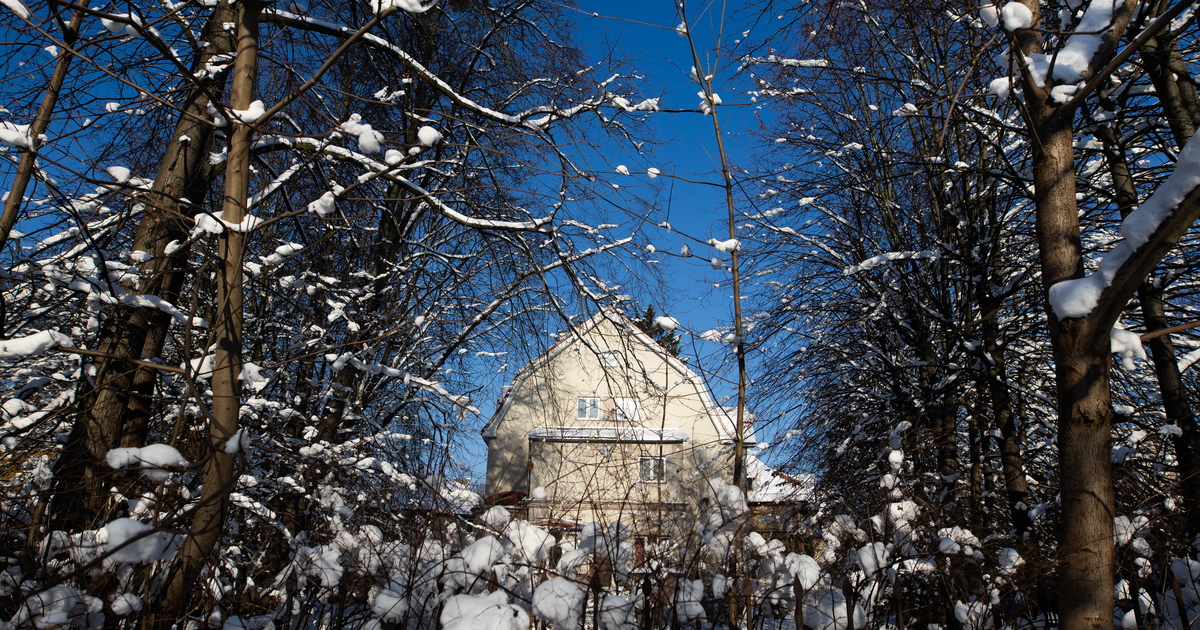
641 38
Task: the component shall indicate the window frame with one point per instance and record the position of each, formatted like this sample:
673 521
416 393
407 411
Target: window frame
610 359
661 469
587 408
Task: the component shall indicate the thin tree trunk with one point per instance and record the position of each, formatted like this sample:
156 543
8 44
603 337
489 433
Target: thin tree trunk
1162 350
41 122
208 520
121 390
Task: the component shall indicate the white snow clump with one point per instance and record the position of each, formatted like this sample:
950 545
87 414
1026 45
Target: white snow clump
990 15
559 601
16 7
15 135
368 139
730 245
33 345
1077 298
1016 15
468 612
251 115
666 323
428 136
127 540
412 6
157 461
1127 344
119 173
622 169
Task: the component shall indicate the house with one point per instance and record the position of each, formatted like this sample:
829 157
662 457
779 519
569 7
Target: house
606 426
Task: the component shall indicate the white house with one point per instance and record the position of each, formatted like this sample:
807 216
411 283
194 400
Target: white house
606 426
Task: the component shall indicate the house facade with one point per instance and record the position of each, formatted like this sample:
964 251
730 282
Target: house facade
606 427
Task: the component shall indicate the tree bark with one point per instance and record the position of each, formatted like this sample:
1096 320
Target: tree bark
120 389
208 520
1162 350
41 122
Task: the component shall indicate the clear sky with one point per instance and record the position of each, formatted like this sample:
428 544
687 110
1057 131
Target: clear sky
639 37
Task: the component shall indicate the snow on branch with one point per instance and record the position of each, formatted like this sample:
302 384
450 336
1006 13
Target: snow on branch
1080 296
875 261
548 114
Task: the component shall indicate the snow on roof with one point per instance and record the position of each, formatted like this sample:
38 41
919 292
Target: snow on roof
608 434
771 486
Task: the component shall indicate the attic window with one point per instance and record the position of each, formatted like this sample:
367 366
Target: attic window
610 358
650 469
587 409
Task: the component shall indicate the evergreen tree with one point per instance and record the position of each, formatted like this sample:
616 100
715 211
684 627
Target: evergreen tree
668 339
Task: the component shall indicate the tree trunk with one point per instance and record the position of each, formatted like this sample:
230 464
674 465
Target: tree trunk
120 389
41 122
208 520
1162 350
1082 365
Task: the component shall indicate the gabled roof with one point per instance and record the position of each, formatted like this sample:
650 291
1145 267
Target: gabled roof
725 425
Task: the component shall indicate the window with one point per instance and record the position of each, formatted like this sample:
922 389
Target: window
625 409
610 358
587 409
650 469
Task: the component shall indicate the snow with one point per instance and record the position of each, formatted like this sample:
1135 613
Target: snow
956 540
473 561
239 443
369 140
1073 59
532 541
389 606
617 613
125 604
538 493
622 169
652 172
1009 561
803 568
251 115
496 518
118 173
1127 344
875 261
324 205
127 540
666 323
872 558
1001 87
412 6
428 136
559 601
33 345
826 610
15 135
1015 15
769 486
157 461
990 15
907 109
687 600
727 246
16 7
483 612
1077 297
